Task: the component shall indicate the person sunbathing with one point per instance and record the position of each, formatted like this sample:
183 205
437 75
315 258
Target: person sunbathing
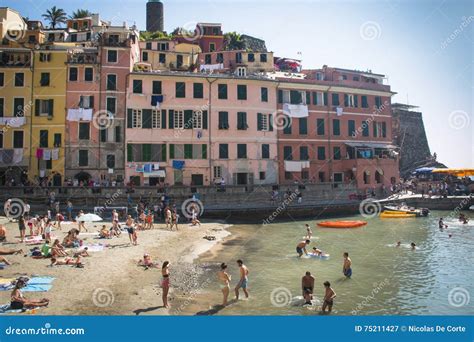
10 251
57 250
3 233
18 301
67 261
83 253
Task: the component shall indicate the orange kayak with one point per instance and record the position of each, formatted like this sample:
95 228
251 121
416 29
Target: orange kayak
342 224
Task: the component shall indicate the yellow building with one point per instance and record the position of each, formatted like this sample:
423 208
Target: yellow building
48 114
169 55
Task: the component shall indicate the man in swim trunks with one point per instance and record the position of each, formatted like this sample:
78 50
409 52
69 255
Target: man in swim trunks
328 297
307 285
243 282
301 247
441 224
346 268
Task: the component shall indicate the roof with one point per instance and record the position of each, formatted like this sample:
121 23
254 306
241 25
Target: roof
403 106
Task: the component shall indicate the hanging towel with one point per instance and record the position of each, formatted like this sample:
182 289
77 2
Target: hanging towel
339 111
86 115
296 111
42 173
147 168
39 153
17 155
178 164
47 155
7 156
156 100
55 154
156 166
73 115
15 122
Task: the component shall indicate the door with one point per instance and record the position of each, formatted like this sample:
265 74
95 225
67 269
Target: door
197 180
242 178
179 61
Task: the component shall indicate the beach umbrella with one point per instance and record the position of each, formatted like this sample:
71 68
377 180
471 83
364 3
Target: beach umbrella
89 218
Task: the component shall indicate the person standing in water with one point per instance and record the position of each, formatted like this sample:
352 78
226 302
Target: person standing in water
346 267
307 286
329 296
441 224
165 282
413 246
309 233
224 282
301 247
244 280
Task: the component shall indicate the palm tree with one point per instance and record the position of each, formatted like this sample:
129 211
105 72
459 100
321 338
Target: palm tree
233 41
81 13
55 16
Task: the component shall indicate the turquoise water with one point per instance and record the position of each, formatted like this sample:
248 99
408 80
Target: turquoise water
435 279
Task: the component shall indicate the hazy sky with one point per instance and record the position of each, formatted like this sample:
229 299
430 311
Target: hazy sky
424 47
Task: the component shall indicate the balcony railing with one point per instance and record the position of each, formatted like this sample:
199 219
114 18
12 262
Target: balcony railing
83 59
18 60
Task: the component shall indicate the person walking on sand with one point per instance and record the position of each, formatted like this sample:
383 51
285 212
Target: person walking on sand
165 282
329 296
346 267
309 232
168 218
224 282
69 210
22 227
301 247
307 286
244 280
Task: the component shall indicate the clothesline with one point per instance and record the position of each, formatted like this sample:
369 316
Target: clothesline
47 154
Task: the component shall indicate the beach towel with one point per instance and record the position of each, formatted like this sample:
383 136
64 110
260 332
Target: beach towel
35 284
2 265
6 280
5 309
93 248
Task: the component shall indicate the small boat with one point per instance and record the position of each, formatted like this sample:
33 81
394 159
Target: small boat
420 212
397 215
342 224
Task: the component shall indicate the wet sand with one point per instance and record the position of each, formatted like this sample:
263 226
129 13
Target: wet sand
111 283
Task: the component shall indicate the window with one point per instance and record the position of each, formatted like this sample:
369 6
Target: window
296 97
321 153
335 99
264 94
72 74
110 161
241 92
303 126
336 153
74 37
365 128
320 99
18 106
44 79
84 130
197 119
384 129
351 128
162 58
242 121
378 102
103 133
118 134
261 175
178 119
220 58
208 59
44 107
264 122
338 177
265 151
351 100
89 74
112 56
111 82
156 88
319 77
217 171
241 151
320 126
304 154
198 90
136 118
111 105
179 61
251 57
43 138
223 120
344 77
322 177
222 91
156 118
57 141
145 56
336 127
180 90
223 151
212 47
365 103
263 58
2 79
288 175
2 108
287 152
86 102
287 126
18 139
45 57
356 78
241 72
19 79
137 86
83 158
304 175
148 46
238 57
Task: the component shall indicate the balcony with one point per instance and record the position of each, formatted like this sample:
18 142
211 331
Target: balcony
15 59
114 42
83 58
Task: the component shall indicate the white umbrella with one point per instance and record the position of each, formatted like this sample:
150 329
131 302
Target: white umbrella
89 218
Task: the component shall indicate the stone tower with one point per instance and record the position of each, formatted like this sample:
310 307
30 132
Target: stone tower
154 16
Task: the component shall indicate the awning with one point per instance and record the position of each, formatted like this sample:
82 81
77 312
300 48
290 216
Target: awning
371 145
456 172
158 173
424 170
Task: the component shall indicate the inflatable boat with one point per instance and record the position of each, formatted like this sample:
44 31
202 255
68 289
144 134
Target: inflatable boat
342 224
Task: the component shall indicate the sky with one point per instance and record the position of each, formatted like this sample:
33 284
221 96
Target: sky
424 47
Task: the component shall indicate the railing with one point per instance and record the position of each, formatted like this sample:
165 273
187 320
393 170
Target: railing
83 59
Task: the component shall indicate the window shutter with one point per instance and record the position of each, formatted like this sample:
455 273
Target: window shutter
118 134
384 129
171 151
374 125
188 119
270 122
259 121
204 119
103 134
129 118
188 151
315 98
280 96
163 152
346 100
91 102
171 119
325 96
308 97
146 118
51 107
129 153
204 151
37 107
287 128
356 101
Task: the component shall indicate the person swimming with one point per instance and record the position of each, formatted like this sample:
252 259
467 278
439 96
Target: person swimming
413 246
317 251
399 243
347 265
301 247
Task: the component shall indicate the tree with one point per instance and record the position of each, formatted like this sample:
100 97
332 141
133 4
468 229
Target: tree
55 16
233 41
81 13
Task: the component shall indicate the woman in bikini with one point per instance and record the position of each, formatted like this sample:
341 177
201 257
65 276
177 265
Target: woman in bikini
165 282
147 262
19 302
67 261
57 250
224 282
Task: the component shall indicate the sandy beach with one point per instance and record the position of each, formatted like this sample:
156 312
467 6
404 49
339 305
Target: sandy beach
111 283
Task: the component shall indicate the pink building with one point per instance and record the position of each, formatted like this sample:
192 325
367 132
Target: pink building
193 129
